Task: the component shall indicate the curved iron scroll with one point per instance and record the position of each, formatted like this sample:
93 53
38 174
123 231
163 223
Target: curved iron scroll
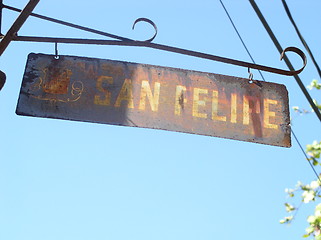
150 22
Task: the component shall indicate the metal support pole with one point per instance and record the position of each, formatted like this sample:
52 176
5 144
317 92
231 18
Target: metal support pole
17 25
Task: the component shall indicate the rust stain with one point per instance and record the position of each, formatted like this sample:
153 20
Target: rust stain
56 81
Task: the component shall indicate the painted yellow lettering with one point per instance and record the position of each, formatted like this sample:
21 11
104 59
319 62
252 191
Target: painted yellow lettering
105 99
147 92
233 108
268 113
215 108
126 94
198 103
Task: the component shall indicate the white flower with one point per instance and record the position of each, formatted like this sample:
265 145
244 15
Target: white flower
308 196
314 184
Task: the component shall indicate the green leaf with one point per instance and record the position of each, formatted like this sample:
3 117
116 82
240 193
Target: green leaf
290 192
289 207
314 84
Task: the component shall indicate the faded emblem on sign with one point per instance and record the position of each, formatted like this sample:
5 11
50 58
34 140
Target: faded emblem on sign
53 84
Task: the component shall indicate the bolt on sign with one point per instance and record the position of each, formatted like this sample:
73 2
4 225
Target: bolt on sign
139 95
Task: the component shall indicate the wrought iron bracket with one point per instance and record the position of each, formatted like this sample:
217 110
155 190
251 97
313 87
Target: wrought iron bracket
123 41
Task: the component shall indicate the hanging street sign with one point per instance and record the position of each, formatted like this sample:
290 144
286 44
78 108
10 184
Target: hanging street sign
140 95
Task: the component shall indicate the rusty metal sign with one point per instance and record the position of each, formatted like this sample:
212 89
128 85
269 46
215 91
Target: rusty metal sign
139 95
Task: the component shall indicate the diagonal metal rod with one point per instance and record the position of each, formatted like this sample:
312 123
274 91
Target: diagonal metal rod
170 49
17 25
287 61
70 24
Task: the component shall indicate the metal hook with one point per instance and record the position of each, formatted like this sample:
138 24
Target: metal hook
56 51
148 21
250 75
251 79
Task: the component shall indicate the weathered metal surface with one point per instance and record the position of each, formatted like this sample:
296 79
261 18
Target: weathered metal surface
138 95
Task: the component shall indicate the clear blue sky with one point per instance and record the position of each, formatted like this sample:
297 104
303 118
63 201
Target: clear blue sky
76 181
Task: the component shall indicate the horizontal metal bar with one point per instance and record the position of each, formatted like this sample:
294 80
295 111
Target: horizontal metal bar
170 49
